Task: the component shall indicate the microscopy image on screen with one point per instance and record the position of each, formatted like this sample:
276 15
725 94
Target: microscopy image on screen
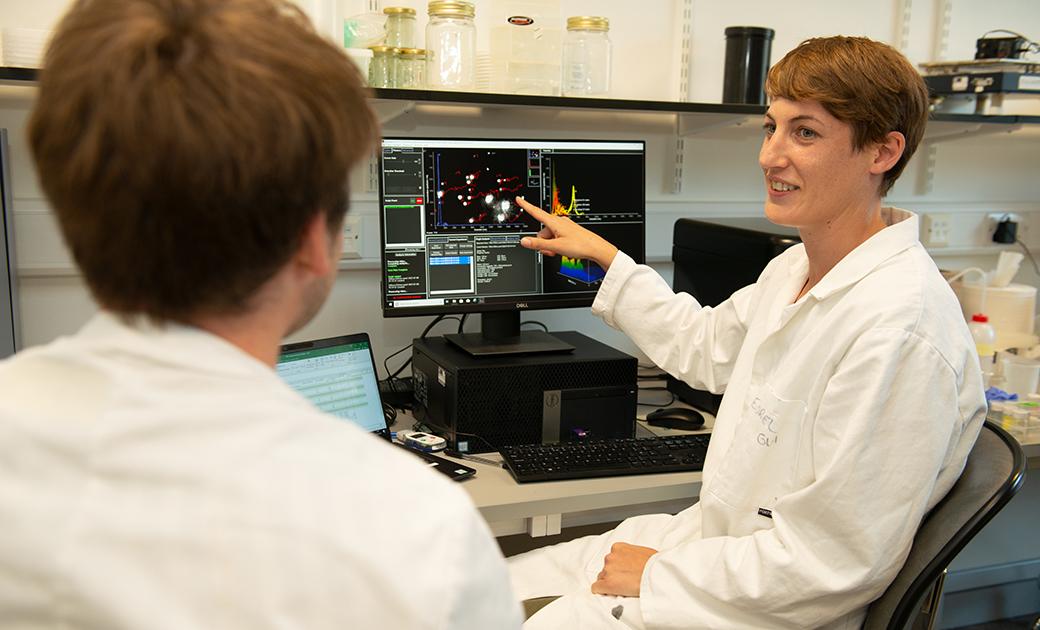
589 187
478 187
561 274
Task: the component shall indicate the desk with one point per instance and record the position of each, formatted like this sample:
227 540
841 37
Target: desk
542 509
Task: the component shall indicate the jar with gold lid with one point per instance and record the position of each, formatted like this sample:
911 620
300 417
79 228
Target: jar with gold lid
381 71
400 27
451 45
586 57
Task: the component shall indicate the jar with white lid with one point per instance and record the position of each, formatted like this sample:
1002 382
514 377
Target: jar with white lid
451 46
400 27
586 57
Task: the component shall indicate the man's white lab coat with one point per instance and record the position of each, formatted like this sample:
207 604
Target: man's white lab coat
847 415
164 479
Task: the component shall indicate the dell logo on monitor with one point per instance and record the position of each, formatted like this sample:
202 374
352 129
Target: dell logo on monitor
521 305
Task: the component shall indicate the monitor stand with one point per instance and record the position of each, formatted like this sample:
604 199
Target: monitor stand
500 335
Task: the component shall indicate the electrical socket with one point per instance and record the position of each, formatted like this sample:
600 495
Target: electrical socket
936 230
352 227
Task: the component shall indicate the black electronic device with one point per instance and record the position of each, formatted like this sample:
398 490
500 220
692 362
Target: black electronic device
451 229
1001 47
9 326
631 456
682 418
481 404
713 259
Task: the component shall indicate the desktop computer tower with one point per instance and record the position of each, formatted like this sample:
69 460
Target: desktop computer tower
480 404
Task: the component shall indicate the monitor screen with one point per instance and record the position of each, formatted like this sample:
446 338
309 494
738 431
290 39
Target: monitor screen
451 228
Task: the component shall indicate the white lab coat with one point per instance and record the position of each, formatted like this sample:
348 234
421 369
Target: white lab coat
847 415
164 479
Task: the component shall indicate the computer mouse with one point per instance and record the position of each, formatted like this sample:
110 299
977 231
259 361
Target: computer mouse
676 418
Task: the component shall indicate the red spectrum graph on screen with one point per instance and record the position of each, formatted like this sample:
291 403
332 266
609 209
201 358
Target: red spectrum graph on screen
557 206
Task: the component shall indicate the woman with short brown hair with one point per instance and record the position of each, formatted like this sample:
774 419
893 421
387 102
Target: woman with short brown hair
852 391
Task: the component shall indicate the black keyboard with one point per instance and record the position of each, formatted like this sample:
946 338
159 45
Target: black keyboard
606 458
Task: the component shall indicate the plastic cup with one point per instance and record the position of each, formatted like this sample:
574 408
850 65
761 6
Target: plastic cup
1021 376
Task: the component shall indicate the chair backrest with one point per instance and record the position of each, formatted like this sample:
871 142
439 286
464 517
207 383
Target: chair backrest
992 475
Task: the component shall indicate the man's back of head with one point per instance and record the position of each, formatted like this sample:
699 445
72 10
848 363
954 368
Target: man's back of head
196 154
185 145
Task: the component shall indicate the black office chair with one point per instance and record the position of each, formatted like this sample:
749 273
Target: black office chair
992 475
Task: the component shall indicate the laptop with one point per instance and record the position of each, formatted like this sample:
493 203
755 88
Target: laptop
338 375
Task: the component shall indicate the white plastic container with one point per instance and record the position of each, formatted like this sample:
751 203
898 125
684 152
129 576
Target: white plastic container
361 57
526 36
984 335
451 46
1021 376
586 57
1010 310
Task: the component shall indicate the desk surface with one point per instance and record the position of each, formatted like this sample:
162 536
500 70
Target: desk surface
510 507
539 508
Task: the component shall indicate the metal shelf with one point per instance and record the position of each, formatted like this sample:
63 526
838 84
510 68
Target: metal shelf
714 115
715 120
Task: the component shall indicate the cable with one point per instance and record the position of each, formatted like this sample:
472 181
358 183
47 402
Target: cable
390 414
425 332
536 323
1029 255
391 377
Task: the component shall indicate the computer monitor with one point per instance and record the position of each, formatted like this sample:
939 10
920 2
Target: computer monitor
715 258
451 228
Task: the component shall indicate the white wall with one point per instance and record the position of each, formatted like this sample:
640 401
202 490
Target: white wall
971 177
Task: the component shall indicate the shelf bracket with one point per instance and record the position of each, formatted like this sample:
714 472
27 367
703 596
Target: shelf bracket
685 19
677 173
691 125
389 110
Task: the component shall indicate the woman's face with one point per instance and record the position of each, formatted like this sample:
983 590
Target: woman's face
812 172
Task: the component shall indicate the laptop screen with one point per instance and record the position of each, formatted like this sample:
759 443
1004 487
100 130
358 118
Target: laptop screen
338 375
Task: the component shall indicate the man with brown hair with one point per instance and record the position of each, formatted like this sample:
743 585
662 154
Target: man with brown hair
154 470
853 394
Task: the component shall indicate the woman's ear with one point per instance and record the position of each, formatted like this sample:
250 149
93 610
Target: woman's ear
887 152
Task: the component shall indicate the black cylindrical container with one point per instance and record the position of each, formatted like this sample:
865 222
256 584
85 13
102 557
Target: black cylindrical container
747 62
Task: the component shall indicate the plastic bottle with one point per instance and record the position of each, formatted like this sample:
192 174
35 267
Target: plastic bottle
525 38
364 30
985 339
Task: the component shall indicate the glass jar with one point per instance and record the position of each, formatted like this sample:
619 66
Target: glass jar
381 68
420 69
586 57
410 70
451 45
400 27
